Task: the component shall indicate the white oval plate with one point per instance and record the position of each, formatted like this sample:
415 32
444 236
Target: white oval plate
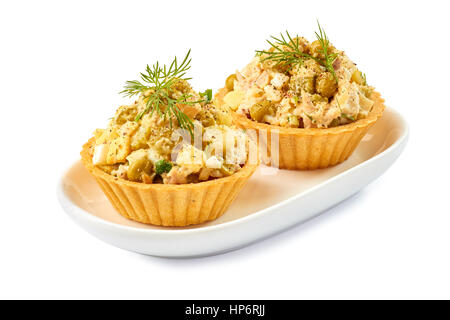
272 201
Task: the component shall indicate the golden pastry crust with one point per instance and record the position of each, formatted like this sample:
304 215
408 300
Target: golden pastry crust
168 205
313 148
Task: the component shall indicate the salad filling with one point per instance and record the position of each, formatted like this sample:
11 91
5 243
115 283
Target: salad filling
171 134
299 84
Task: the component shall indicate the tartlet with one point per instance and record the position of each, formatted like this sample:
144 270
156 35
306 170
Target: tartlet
309 96
168 204
146 163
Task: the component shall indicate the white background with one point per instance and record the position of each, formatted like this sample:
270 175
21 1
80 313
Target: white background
62 65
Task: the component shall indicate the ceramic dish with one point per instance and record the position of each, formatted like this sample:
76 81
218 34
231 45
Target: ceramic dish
266 206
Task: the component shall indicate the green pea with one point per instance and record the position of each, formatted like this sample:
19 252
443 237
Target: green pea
326 85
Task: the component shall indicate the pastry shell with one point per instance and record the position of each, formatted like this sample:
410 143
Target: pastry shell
308 149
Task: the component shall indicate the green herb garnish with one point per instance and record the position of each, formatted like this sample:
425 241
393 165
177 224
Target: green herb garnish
159 81
363 75
162 166
329 58
344 115
207 94
287 52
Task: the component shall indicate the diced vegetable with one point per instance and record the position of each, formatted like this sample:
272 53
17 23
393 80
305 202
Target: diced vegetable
317 98
224 117
357 77
233 99
326 85
308 84
162 166
139 163
124 114
293 121
261 109
229 83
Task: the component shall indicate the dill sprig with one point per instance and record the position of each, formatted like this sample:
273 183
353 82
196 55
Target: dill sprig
159 81
286 52
329 58
207 94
